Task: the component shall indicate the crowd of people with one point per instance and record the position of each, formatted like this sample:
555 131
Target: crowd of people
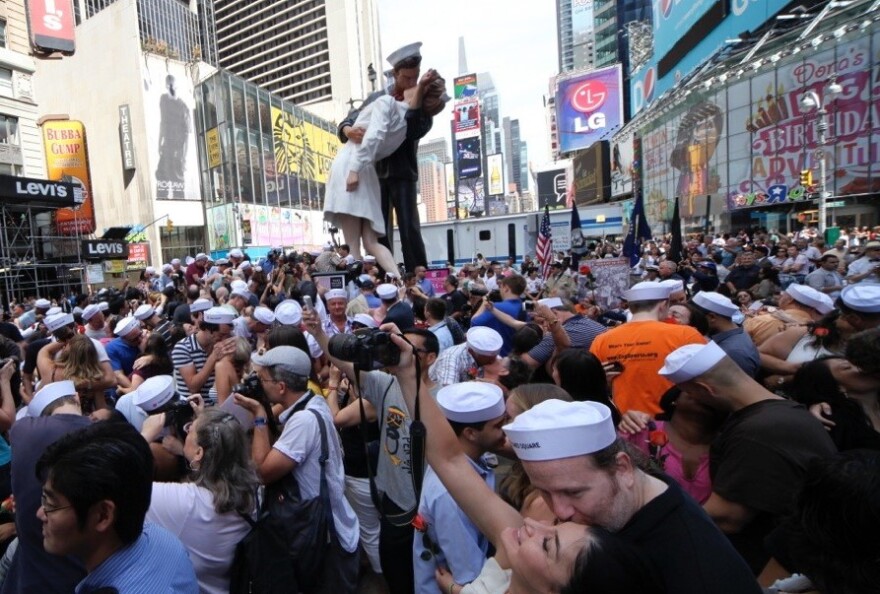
714 429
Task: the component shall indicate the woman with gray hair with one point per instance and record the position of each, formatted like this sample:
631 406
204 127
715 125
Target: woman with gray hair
206 513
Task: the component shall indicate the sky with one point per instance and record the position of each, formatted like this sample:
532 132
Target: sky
514 41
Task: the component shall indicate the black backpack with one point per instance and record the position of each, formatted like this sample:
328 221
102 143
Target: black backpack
458 335
286 546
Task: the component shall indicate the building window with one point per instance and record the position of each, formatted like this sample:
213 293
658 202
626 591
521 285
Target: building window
10 169
9 130
2 32
6 82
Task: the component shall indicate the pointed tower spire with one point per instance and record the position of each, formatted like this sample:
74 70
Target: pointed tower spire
462 58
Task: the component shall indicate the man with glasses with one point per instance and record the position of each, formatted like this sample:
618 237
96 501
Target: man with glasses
284 375
825 278
97 485
196 355
867 268
53 412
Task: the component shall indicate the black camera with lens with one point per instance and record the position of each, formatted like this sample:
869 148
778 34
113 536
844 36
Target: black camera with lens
177 414
368 348
250 387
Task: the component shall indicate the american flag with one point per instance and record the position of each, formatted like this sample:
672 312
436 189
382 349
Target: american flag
545 244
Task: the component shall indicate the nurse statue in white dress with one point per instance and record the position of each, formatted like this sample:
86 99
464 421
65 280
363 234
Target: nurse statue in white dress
353 202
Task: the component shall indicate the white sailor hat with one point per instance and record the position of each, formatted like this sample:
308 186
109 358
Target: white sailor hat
238 284
144 312
245 265
155 392
806 295
285 356
715 303
647 291
150 270
49 394
175 262
336 294
189 260
314 253
289 313
201 256
90 311
218 315
484 341
167 267
471 402
365 320
674 285
653 267
370 259
57 321
103 305
54 311
236 253
386 291
200 305
241 292
862 297
408 51
264 315
555 429
127 325
690 361
42 304
221 262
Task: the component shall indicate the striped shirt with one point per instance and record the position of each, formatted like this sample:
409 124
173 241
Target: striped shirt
581 332
155 562
189 352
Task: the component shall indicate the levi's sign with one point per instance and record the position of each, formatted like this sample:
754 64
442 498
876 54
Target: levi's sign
25 191
104 249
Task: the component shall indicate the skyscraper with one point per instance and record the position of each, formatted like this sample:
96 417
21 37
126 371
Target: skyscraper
574 28
513 154
432 187
314 53
174 29
618 25
436 147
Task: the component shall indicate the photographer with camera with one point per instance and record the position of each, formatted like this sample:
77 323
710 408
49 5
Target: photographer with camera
360 357
284 374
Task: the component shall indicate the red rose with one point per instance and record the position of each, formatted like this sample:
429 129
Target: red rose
420 523
820 332
658 438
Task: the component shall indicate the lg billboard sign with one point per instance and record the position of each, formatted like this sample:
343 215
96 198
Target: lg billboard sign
52 25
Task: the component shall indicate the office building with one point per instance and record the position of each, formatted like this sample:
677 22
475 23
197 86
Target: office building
437 147
178 30
513 161
622 28
320 54
574 26
432 188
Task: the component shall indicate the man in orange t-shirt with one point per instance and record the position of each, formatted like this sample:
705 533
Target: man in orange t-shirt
641 346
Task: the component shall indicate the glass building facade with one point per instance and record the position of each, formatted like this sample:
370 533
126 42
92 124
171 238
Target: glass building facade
263 161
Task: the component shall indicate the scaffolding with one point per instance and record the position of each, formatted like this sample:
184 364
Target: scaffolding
34 260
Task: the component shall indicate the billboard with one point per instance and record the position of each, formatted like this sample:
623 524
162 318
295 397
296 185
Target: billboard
673 19
67 159
590 169
467 118
302 148
450 191
125 139
465 87
589 107
552 188
622 161
52 25
168 111
471 198
746 143
646 86
495 164
469 157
